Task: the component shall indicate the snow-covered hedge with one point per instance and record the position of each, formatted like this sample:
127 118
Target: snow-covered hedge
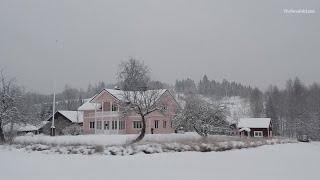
152 144
150 148
110 139
73 129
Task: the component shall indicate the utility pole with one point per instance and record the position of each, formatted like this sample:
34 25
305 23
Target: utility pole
53 128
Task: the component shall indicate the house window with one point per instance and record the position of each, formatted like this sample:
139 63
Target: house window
164 124
257 133
121 125
99 125
91 125
114 107
115 124
106 125
137 124
156 124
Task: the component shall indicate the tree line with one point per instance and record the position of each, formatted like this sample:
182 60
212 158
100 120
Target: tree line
217 90
295 109
213 88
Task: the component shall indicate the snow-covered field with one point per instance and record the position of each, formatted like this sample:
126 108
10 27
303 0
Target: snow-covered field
286 162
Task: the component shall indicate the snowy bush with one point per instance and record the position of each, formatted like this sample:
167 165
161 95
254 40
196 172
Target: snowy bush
155 143
73 129
151 148
202 117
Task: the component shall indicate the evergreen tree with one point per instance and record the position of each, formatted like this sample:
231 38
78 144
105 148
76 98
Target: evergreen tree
256 103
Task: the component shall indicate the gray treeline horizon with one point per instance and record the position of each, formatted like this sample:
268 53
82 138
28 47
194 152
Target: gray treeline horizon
79 42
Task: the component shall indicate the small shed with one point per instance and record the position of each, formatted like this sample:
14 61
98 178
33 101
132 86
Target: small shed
28 128
62 120
255 127
21 128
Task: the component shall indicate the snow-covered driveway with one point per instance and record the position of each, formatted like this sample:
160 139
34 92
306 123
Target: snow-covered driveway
286 161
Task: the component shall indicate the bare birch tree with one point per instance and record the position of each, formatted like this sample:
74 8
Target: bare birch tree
134 78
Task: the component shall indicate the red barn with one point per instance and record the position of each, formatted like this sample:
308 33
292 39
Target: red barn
255 127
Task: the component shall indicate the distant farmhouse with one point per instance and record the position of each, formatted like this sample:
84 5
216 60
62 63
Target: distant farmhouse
62 120
22 128
101 115
255 127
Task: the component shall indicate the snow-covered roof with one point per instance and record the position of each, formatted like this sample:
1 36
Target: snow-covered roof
20 127
42 123
119 94
254 123
28 127
89 105
116 93
244 129
73 116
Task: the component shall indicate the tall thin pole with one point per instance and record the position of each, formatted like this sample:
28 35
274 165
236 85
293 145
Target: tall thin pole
53 133
95 118
53 128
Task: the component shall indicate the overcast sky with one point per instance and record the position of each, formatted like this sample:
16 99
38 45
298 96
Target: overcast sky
81 41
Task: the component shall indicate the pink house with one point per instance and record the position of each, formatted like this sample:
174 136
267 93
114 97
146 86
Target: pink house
101 115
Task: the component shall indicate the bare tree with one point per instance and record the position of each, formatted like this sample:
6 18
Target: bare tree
142 103
134 79
9 113
133 75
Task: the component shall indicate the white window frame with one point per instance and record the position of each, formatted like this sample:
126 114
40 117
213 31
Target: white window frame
137 124
121 125
114 125
106 125
256 133
92 124
99 125
114 107
156 124
164 124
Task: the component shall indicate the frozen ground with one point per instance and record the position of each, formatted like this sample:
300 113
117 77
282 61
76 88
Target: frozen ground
285 161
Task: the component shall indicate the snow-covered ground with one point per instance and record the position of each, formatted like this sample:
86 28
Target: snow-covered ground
286 162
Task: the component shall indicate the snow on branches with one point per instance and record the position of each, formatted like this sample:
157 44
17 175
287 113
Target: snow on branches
9 98
201 117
